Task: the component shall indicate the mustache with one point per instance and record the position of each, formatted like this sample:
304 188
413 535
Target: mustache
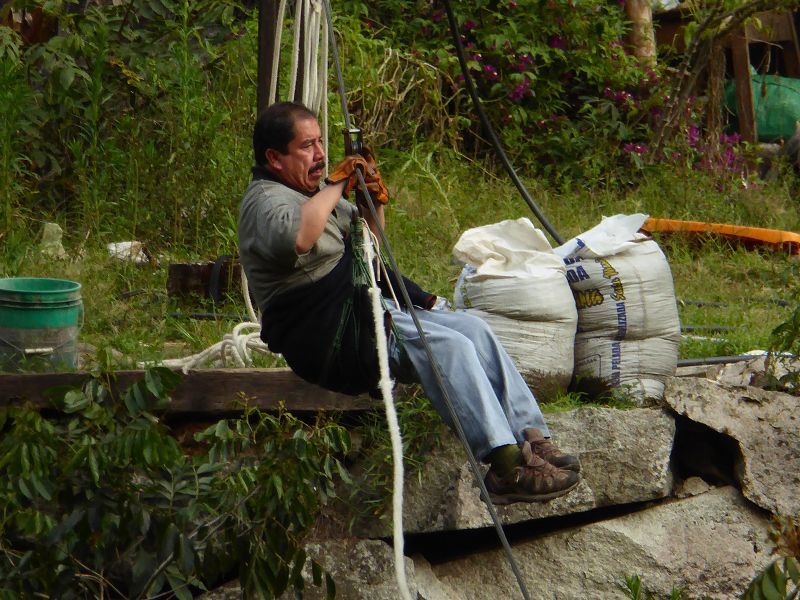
319 166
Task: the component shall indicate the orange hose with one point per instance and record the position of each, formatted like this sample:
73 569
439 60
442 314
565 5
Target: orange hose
779 240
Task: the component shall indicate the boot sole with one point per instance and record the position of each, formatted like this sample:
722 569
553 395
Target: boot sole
503 499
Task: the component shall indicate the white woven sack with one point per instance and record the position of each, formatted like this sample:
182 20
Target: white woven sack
624 293
511 270
642 367
629 295
621 281
542 351
515 283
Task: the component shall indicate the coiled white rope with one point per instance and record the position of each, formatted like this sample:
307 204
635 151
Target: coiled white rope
235 347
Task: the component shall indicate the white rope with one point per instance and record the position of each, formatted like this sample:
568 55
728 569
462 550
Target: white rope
322 75
276 55
312 45
247 302
385 386
382 266
298 17
315 37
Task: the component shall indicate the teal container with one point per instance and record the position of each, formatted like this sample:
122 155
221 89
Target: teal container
39 323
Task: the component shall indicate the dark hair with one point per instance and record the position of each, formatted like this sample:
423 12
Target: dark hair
274 128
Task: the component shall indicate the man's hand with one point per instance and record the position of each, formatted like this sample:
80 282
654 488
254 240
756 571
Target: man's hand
372 177
346 171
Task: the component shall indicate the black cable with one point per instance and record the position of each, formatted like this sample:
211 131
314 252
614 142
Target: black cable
487 126
413 314
715 360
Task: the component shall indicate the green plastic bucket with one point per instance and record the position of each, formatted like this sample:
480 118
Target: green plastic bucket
39 323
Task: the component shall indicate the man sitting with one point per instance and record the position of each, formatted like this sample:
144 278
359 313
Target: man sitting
295 245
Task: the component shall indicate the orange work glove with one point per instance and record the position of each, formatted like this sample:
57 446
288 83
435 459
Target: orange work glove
346 171
372 177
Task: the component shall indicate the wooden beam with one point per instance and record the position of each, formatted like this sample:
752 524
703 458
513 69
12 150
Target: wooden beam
207 279
205 391
745 111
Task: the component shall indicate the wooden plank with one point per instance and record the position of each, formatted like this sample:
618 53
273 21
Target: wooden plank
184 279
775 26
745 111
204 391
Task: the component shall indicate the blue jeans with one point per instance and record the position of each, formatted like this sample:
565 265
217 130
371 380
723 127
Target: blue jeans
489 396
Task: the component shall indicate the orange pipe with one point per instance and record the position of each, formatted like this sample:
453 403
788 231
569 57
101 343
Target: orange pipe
778 240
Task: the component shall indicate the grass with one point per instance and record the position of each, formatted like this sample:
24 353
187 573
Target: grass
173 168
740 294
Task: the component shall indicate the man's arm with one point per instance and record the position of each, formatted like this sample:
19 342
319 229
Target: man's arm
314 214
367 214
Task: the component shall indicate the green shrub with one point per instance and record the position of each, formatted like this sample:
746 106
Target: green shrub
103 503
555 79
780 580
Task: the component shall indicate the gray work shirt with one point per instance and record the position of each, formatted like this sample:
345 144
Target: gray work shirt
269 219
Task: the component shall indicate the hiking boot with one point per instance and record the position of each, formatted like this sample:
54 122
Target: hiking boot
534 481
544 448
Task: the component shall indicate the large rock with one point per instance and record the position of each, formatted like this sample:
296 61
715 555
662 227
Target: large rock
361 570
755 371
711 544
624 456
766 426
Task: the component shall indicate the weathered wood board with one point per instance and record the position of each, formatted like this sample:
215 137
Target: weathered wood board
203 391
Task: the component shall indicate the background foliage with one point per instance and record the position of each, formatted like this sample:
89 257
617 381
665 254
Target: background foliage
104 503
132 121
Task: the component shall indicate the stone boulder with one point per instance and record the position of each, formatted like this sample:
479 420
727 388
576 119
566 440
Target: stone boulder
361 570
711 544
624 455
766 427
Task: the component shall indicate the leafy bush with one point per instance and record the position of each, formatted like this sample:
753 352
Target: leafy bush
109 123
780 580
554 77
103 503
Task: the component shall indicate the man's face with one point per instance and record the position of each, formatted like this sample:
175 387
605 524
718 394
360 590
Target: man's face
302 165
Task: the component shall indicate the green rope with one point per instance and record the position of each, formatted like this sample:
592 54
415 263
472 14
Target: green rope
361 277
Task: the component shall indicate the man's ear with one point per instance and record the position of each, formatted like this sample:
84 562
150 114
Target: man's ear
273 161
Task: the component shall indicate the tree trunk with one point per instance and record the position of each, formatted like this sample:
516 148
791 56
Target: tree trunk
642 37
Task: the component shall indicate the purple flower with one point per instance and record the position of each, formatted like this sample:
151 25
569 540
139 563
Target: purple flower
733 138
523 62
437 15
693 136
490 72
469 25
635 148
556 41
520 91
622 97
